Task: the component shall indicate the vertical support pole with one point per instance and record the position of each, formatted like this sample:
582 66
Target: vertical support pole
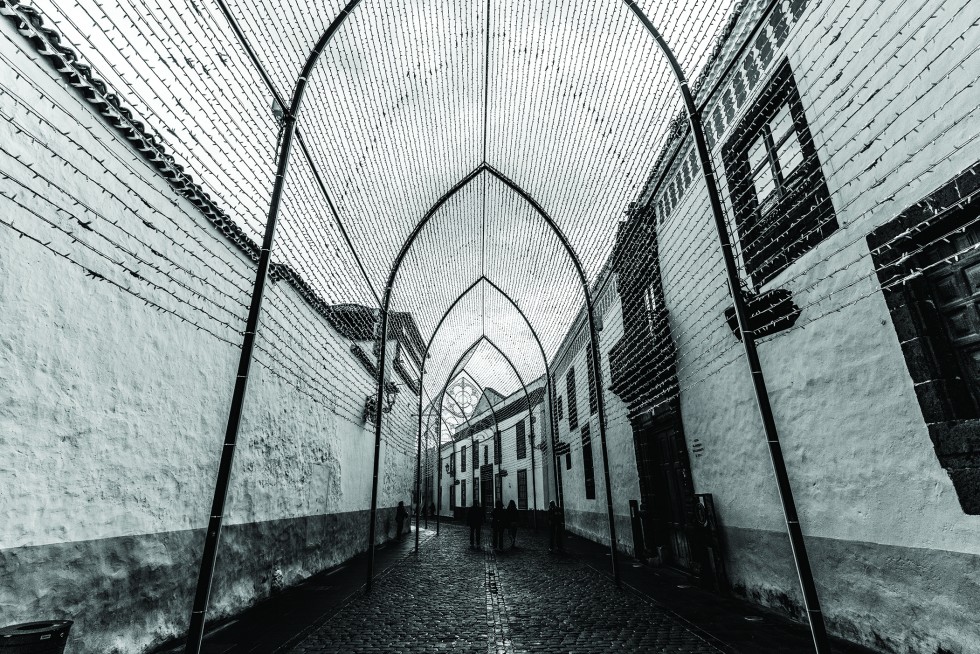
418 467
811 601
534 483
379 398
195 632
554 441
439 479
601 406
428 477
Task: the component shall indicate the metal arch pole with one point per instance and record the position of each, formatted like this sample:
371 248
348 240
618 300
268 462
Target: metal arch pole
418 466
547 376
594 356
441 396
537 340
821 641
383 339
195 631
527 398
485 167
496 427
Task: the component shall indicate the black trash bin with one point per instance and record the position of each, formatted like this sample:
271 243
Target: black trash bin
48 637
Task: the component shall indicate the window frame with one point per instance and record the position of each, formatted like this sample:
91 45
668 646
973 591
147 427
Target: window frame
520 439
571 390
772 238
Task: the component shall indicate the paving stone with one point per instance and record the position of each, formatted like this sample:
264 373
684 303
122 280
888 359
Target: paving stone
453 599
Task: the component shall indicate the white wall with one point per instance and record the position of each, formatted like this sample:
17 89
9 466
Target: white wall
590 517
115 390
890 96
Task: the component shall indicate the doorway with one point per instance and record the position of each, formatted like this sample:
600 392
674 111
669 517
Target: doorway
666 488
486 487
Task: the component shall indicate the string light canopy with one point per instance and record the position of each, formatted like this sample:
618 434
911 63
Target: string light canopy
572 101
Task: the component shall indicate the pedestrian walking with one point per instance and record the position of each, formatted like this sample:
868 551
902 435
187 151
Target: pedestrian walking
400 515
555 526
499 525
512 517
474 518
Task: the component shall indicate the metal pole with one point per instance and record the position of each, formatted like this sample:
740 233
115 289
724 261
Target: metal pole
195 632
811 601
379 398
593 331
418 467
553 424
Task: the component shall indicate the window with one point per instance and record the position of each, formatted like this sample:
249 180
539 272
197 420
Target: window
782 204
593 395
956 289
587 465
407 369
522 490
462 493
927 261
498 488
452 497
496 447
476 456
521 444
568 460
462 461
561 408
572 400
486 455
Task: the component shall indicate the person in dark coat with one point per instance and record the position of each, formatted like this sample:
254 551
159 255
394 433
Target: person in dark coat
499 524
400 515
474 518
512 522
555 526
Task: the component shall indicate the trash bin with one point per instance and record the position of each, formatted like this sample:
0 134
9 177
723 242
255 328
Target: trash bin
47 637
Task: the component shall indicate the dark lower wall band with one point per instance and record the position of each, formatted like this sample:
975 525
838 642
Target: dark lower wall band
130 593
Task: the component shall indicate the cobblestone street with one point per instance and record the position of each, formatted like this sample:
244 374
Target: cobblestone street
453 599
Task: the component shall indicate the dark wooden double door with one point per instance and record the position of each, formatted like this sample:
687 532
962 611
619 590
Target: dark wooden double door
486 487
666 489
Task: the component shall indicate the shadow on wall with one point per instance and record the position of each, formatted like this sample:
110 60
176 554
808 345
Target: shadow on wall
133 593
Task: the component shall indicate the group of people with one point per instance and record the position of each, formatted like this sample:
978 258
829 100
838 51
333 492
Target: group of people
501 520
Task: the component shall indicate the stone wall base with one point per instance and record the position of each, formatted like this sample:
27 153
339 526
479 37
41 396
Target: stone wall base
131 593
893 599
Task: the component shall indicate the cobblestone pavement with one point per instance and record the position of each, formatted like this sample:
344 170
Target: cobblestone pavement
453 599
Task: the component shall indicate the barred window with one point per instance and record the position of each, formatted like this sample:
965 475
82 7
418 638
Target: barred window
462 493
522 490
587 464
572 400
462 461
781 201
476 457
521 444
593 395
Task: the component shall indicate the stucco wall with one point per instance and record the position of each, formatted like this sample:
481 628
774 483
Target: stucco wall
590 517
890 97
542 492
119 342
